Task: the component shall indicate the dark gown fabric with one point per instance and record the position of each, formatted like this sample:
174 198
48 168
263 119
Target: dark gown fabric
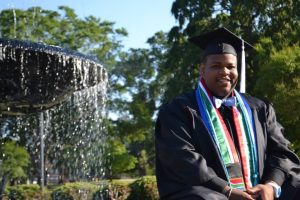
188 165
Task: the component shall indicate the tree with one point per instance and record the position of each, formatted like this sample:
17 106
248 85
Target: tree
120 161
134 101
91 35
13 161
278 80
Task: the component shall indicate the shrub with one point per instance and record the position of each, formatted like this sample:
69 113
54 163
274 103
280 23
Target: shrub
144 188
141 189
61 194
124 189
26 192
74 191
115 190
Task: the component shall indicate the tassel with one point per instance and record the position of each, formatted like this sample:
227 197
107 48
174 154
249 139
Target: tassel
243 70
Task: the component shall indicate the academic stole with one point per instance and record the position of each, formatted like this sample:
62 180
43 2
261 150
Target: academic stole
218 131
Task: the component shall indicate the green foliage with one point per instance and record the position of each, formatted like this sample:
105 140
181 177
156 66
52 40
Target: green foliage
279 81
24 192
119 159
73 191
64 28
144 163
61 194
119 189
134 100
144 188
14 159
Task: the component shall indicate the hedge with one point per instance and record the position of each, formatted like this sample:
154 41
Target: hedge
73 191
115 189
143 188
25 192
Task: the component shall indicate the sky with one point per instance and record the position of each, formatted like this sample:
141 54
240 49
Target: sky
141 18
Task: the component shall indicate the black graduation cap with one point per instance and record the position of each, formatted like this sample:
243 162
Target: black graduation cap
223 41
220 41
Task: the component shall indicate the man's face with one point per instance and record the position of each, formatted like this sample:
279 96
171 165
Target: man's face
219 73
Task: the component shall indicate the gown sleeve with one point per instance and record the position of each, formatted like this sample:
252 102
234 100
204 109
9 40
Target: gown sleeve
281 163
180 168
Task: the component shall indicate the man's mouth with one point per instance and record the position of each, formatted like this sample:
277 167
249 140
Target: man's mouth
224 80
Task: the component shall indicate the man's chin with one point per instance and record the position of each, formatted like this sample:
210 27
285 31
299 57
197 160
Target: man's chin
222 94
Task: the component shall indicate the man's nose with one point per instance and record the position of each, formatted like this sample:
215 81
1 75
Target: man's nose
223 71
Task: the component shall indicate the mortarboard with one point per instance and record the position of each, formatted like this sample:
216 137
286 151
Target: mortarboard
223 41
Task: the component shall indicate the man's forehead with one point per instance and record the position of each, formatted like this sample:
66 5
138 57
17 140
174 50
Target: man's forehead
222 58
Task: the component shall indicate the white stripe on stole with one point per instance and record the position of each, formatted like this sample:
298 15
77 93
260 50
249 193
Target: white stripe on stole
220 124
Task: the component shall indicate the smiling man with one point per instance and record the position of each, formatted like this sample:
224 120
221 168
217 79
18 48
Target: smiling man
215 143
220 73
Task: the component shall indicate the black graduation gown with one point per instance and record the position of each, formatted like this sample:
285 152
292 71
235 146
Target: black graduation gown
188 165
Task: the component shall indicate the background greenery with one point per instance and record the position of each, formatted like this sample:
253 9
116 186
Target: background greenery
121 189
143 79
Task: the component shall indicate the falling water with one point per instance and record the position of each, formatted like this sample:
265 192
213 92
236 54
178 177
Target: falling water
59 101
15 23
73 136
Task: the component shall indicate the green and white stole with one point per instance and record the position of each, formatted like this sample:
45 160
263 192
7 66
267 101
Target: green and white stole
242 117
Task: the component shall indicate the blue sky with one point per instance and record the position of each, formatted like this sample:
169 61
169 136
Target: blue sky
141 18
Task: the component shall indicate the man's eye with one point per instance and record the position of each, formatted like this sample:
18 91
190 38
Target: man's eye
215 66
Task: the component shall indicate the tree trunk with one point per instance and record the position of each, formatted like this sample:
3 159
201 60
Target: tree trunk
2 185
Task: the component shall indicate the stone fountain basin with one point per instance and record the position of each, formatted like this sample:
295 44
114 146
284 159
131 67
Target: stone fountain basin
35 77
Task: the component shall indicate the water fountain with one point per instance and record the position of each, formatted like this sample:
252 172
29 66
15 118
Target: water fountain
52 100
36 77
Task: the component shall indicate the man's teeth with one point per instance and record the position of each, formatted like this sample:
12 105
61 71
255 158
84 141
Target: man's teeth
223 80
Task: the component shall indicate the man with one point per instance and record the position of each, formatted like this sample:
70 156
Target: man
215 143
